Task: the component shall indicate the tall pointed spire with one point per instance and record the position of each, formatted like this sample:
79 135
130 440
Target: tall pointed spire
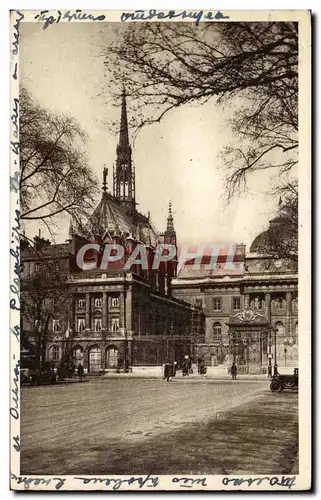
105 173
123 134
170 220
124 176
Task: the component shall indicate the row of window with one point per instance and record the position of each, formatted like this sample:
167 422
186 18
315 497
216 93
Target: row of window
217 303
98 303
56 265
97 324
256 303
81 325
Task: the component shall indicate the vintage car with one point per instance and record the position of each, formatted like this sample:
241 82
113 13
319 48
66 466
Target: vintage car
43 376
280 382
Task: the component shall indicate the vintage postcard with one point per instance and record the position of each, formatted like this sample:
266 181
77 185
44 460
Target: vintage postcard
160 250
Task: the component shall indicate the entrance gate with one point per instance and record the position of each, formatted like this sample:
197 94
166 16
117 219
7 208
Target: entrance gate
250 340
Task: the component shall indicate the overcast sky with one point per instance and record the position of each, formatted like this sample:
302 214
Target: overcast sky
175 160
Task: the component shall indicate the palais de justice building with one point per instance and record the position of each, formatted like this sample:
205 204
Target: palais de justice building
116 319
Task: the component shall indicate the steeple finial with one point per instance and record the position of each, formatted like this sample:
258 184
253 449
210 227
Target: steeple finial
280 202
170 221
123 134
105 173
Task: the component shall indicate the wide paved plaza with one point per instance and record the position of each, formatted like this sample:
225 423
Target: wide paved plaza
149 426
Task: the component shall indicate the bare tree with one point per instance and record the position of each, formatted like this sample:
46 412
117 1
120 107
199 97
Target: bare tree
44 297
54 177
167 65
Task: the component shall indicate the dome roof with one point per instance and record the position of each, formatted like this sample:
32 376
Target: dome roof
260 242
277 226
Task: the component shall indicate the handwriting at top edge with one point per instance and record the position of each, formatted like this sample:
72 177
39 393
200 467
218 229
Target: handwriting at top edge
16 33
153 14
78 15
285 481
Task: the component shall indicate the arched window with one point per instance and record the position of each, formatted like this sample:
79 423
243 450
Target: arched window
217 332
54 353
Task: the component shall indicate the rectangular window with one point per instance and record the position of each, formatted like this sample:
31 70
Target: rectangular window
115 302
81 324
114 324
37 267
97 325
81 303
55 325
98 303
236 303
217 303
199 302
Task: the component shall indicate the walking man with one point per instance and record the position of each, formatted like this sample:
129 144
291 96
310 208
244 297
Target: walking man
167 371
233 371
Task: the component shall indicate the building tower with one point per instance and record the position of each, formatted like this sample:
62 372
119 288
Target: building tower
124 176
170 239
170 233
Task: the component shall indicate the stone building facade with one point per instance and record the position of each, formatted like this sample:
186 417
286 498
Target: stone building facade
109 319
251 310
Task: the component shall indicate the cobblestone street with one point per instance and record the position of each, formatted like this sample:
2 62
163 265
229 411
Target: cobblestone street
129 426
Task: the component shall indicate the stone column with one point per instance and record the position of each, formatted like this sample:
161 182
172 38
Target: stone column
122 311
129 311
71 314
268 306
104 312
88 311
268 315
246 300
288 315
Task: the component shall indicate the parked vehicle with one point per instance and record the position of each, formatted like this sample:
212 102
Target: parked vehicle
281 382
43 376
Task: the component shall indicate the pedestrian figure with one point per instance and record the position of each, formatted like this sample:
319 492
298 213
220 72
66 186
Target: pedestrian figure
276 373
233 371
167 371
80 372
270 371
174 368
185 367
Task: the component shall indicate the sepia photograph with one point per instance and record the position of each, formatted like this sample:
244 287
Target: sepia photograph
160 199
